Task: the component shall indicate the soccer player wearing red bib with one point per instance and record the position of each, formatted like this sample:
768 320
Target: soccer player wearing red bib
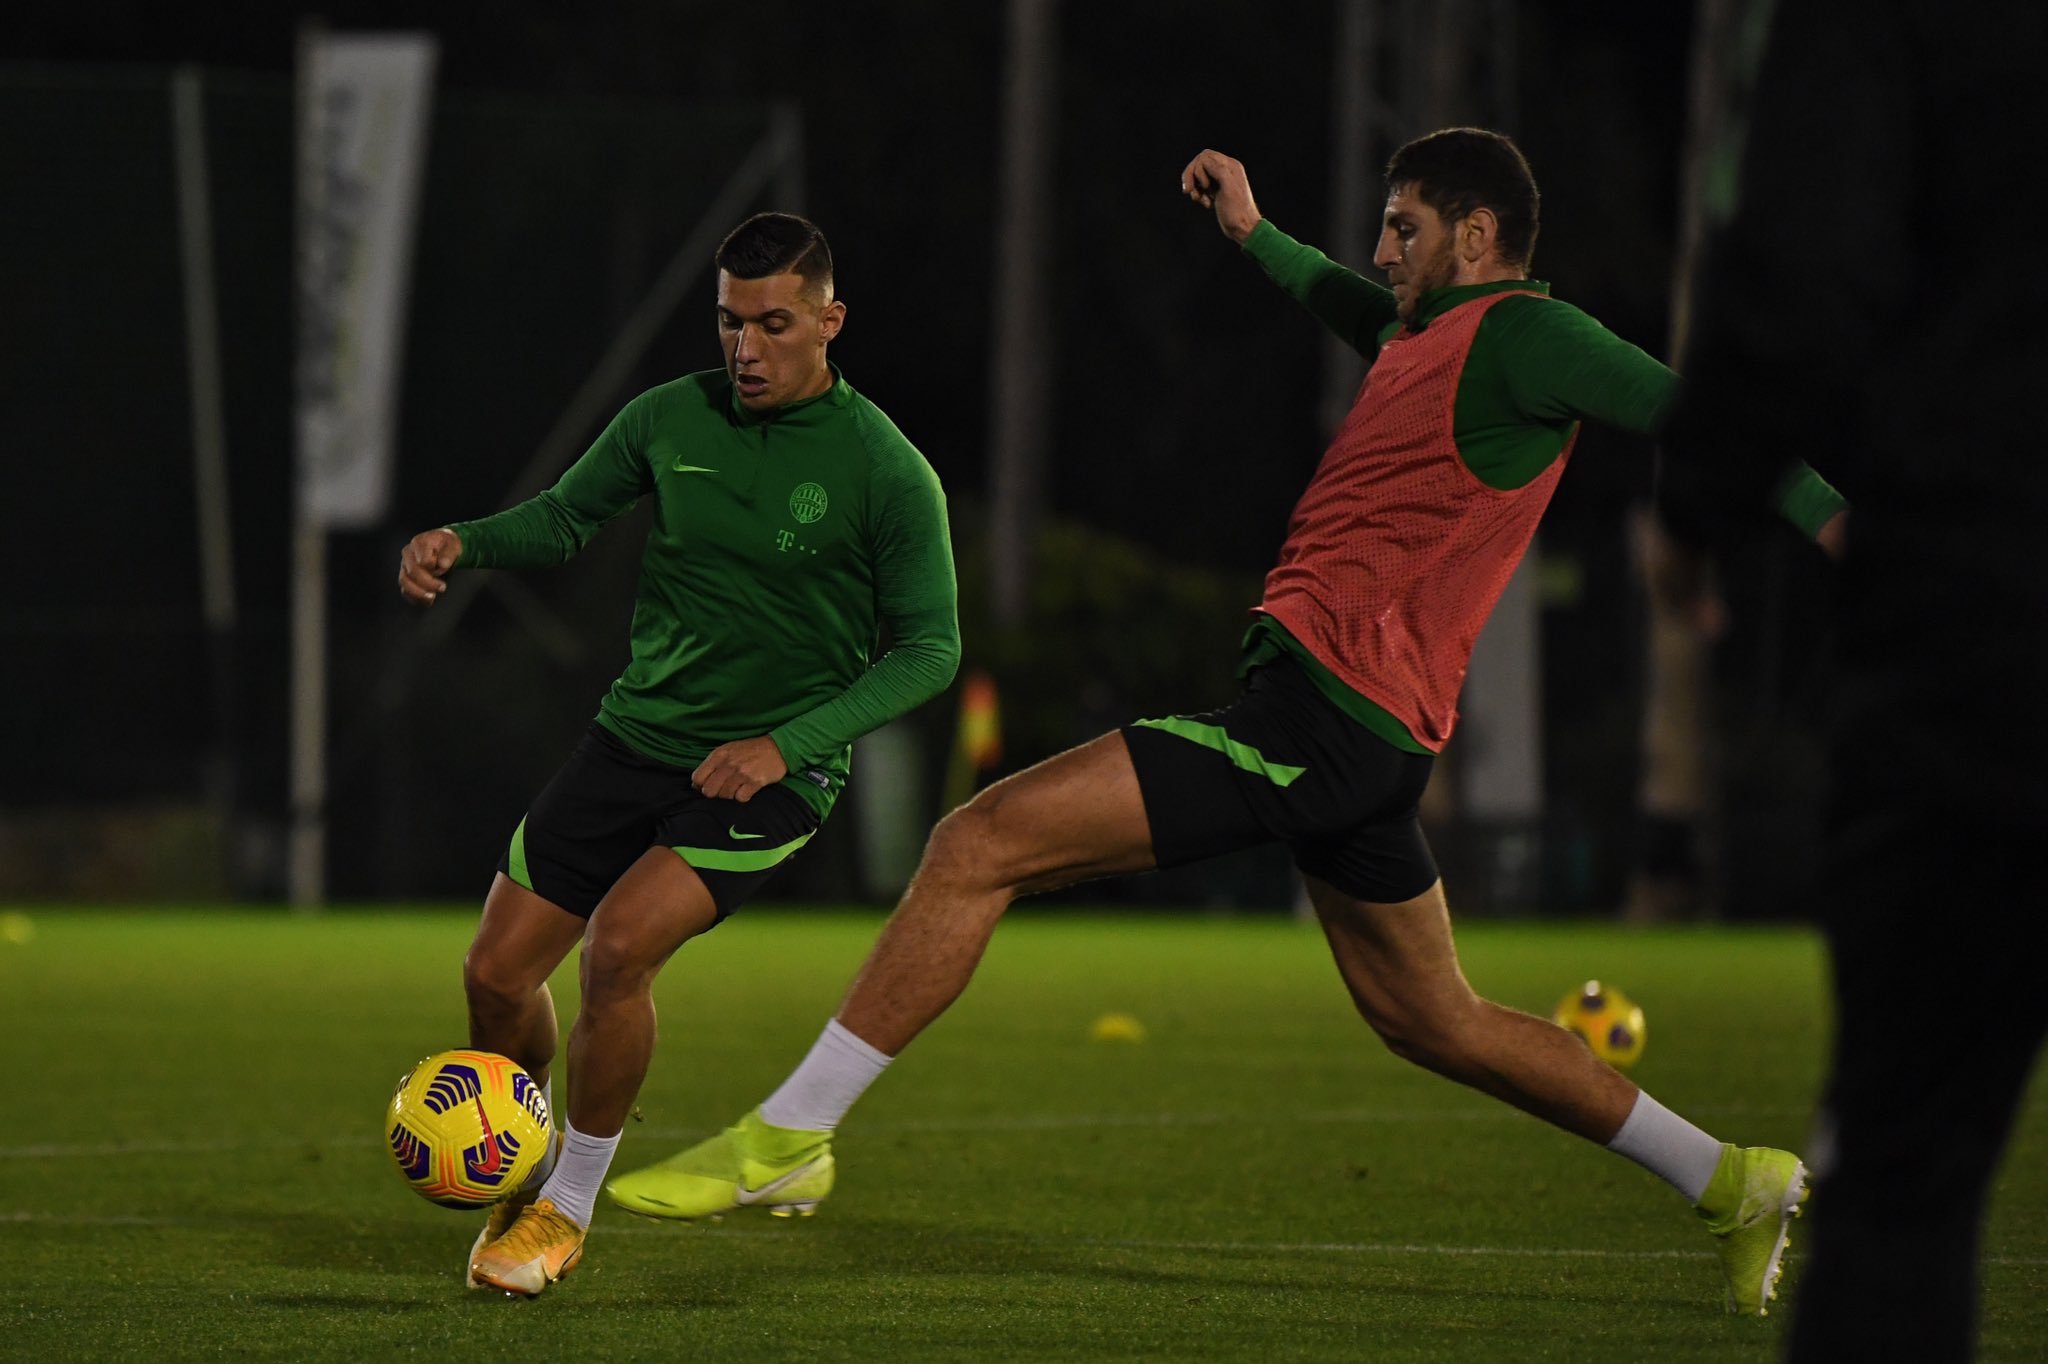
1411 526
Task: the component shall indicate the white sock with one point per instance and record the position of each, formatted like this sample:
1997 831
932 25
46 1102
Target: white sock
1668 1147
579 1174
818 1092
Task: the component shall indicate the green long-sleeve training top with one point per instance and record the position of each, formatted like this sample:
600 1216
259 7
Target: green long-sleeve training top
782 543
1537 367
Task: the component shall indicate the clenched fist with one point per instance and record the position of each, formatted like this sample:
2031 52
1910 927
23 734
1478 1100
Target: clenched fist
740 770
1216 181
424 563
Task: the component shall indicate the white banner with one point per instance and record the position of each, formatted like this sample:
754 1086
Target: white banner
363 102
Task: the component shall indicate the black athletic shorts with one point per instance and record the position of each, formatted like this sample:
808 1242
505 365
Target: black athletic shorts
1283 764
609 804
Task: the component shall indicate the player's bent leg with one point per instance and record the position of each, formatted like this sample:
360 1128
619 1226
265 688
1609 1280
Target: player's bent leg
656 906
519 942
1401 967
1071 818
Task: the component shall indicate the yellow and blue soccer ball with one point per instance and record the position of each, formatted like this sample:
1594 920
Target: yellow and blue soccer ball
1606 1020
465 1128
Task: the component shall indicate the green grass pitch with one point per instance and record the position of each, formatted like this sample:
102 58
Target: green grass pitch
192 1163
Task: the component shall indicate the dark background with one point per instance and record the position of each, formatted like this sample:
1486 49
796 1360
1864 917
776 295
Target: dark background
569 154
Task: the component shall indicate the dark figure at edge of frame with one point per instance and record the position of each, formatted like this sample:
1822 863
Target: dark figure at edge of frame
1862 310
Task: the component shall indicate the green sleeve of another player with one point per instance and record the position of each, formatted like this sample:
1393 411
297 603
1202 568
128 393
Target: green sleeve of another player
1807 500
1350 305
549 529
915 592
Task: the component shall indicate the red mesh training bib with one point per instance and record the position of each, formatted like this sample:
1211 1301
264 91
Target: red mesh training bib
1396 552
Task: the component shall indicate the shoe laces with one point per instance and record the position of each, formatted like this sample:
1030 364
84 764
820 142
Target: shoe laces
506 1211
538 1228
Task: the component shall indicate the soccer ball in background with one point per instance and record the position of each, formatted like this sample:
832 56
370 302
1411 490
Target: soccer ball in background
467 1127
1606 1020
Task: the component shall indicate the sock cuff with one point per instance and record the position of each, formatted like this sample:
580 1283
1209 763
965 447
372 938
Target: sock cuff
1668 1146
583 1144
1643 1114
845 1037
836 1071
579 1173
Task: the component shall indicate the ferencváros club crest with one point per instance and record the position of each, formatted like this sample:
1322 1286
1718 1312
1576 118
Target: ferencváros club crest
808 503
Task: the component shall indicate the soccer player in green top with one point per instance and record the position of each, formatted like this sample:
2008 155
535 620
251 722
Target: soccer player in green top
792 522
1426 499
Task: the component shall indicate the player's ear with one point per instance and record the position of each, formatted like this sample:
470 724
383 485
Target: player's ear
831 318
1478 233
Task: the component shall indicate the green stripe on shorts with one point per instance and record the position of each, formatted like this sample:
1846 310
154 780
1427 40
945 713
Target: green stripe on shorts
1241 754
736 859
515 861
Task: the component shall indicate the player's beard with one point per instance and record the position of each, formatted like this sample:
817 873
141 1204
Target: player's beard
1436 273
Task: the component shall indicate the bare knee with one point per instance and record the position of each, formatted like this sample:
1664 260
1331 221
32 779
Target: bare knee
1439 1035
968 849
615 967
495 985
1415 1046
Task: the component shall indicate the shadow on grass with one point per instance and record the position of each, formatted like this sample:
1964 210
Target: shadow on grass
889 1249
402 1249
346 1302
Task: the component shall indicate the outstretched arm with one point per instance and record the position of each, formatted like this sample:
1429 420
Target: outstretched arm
554 526
1558 364
1353 307
547 529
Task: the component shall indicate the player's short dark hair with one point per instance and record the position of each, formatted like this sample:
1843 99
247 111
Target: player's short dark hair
1459 170
772 243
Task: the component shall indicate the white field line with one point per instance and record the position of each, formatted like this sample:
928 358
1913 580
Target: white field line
1027 1122
1234 1247
1048 1122
1360 1248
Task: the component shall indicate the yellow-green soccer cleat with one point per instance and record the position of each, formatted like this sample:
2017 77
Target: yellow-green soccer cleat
541 1246
751 1164
1749 1205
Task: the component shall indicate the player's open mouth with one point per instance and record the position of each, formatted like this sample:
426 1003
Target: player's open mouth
751 384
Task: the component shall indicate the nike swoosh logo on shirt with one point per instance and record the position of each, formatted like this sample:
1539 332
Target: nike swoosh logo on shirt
682 468
734 832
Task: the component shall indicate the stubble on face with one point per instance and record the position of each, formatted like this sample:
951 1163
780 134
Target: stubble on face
1437 270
